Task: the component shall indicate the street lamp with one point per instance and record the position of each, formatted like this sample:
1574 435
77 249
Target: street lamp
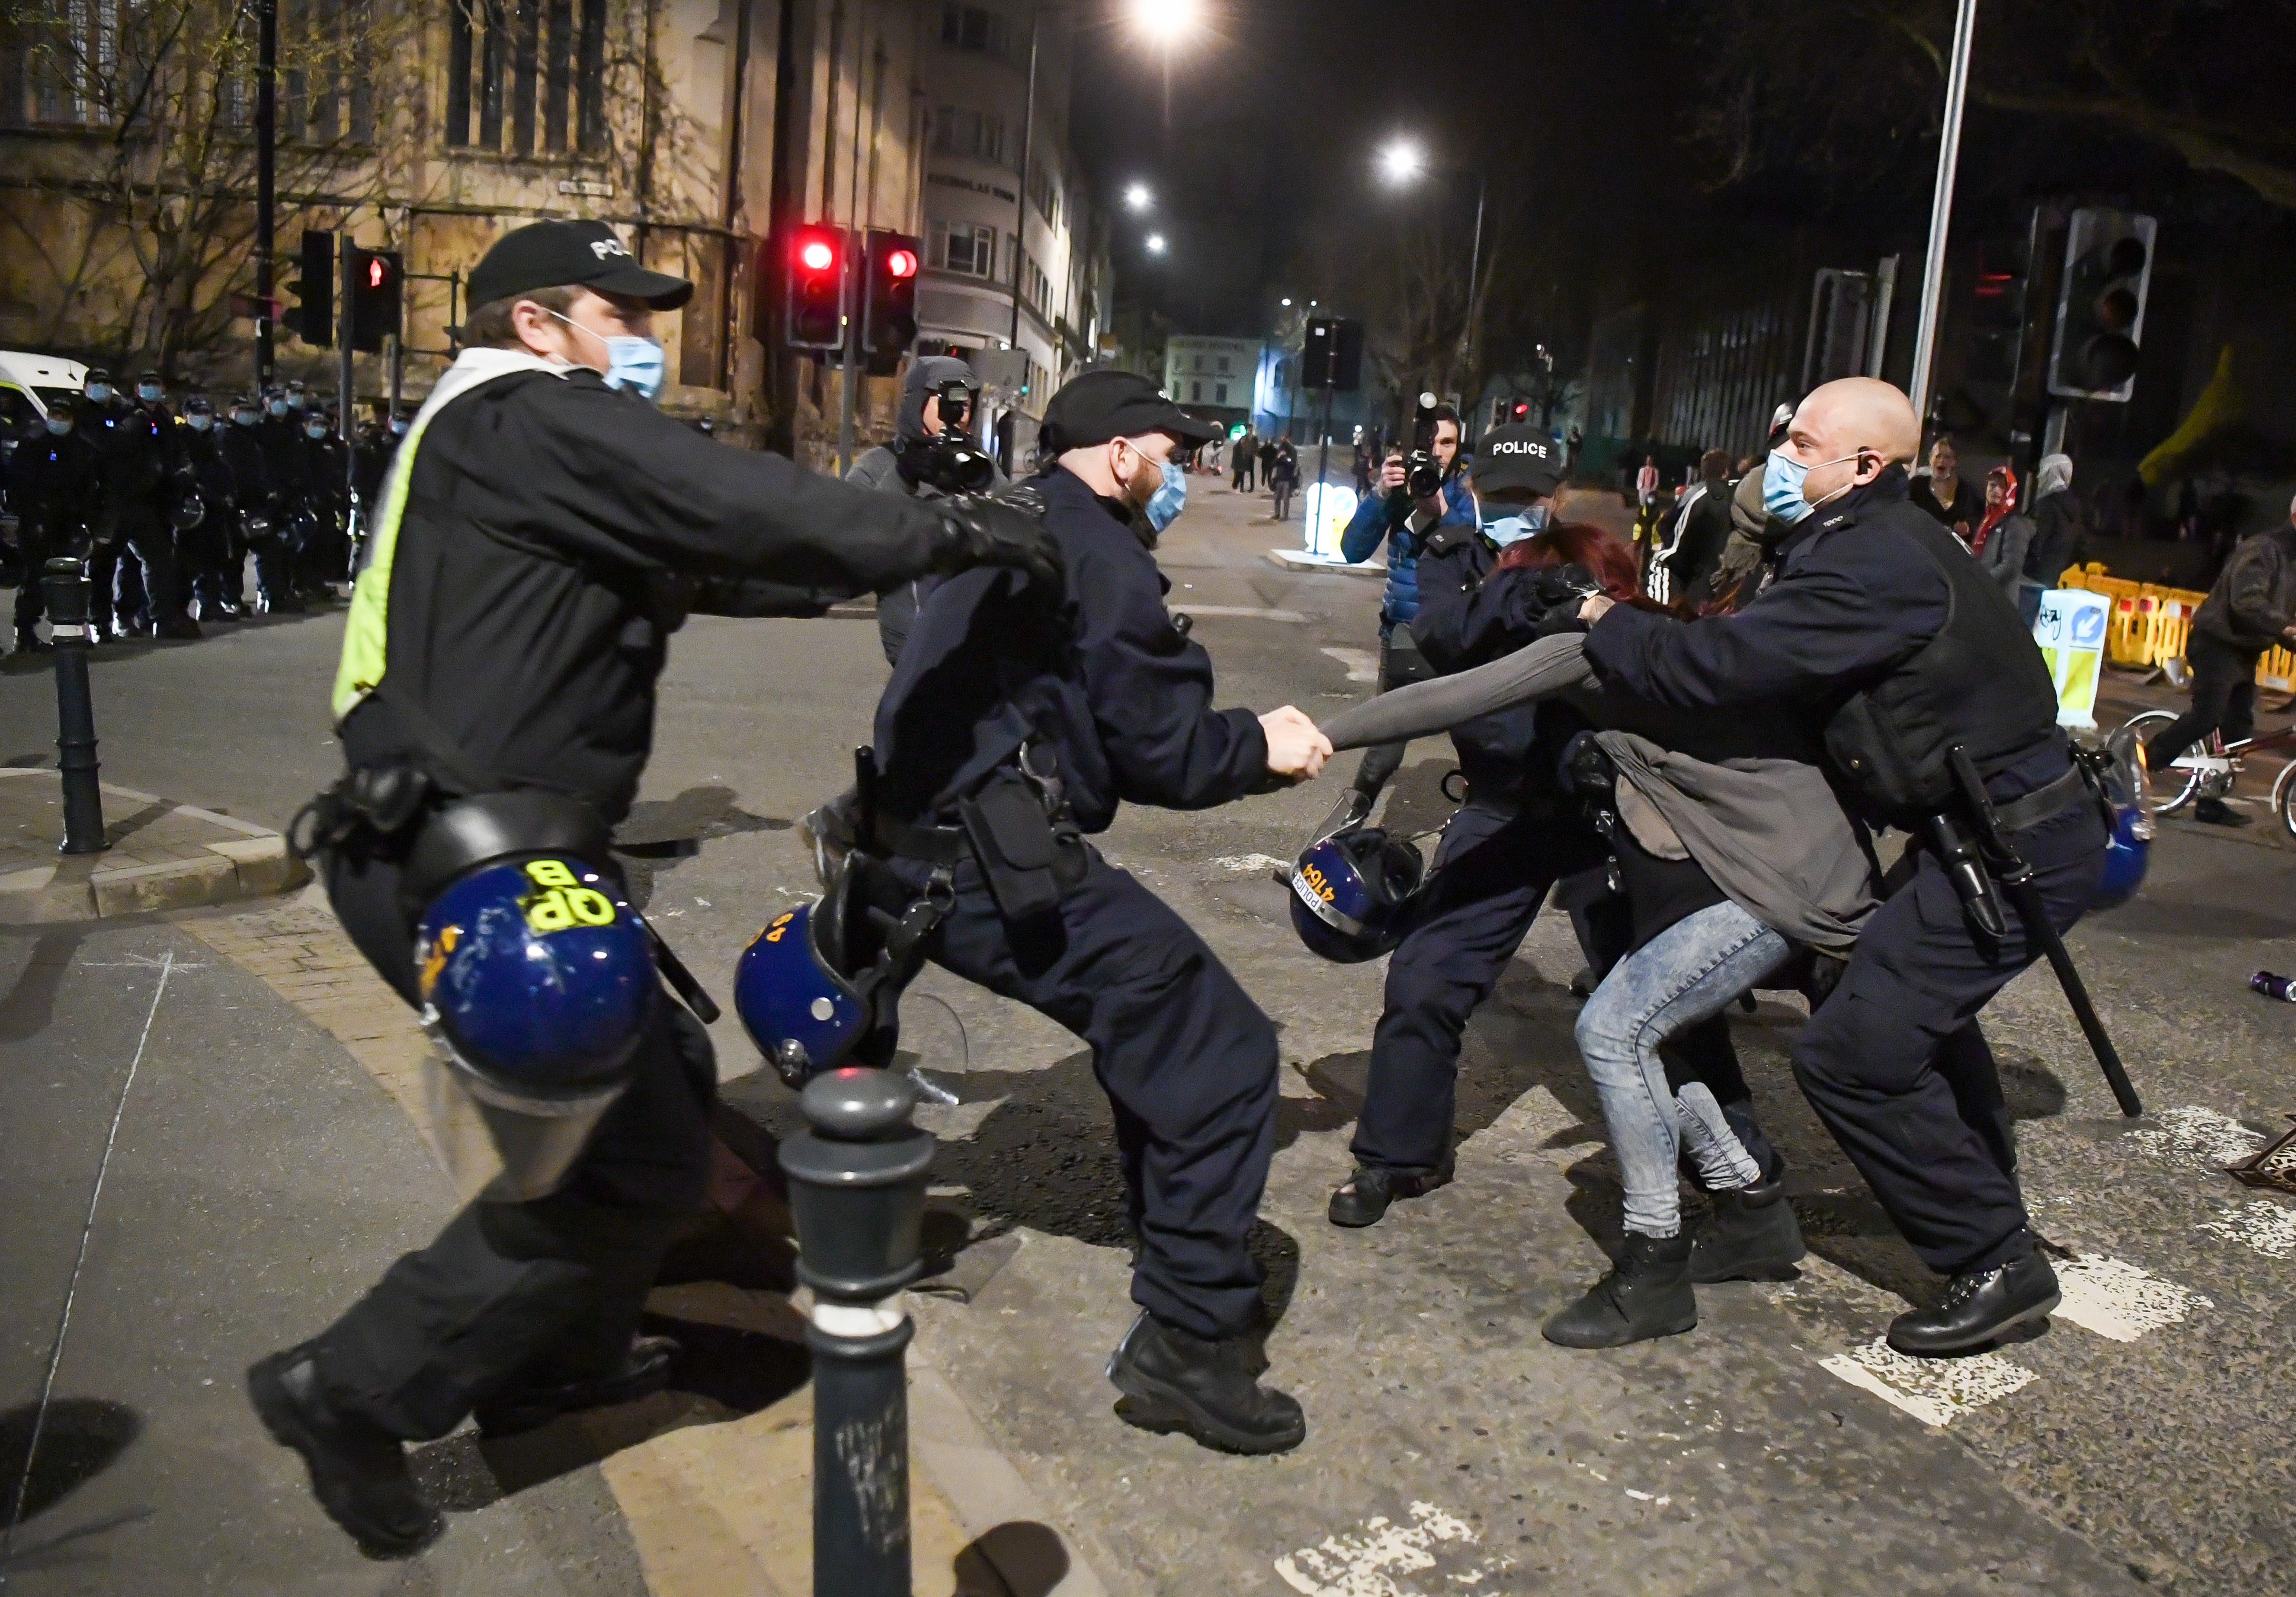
1287 304
1403 161
1136 197
1155 243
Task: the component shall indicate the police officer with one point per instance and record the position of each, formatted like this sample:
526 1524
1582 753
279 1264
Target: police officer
323 559
241 445
286 468
530 558
134 444
1882 632
1008 729
55 489
929 457
204 551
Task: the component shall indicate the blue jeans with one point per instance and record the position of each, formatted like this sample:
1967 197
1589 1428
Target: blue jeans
1687 973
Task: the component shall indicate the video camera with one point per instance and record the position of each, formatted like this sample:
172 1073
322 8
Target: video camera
951 462
1422 476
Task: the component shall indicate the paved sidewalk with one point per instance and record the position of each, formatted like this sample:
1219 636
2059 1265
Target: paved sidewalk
162 855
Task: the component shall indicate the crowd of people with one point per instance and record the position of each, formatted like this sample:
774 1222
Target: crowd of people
164 501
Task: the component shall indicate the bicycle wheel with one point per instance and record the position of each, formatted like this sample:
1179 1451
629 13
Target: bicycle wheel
2169 790
2283 796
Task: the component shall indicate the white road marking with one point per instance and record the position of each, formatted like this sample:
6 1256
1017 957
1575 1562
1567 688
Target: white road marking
2267 1227
1362 664
2198 1138
1244 612
2116 1299
1358 1565
1241 862
1935 1391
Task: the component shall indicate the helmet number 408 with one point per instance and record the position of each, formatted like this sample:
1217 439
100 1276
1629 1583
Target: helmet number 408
560 901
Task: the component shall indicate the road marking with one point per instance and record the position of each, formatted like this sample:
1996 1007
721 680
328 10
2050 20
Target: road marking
1255 862
1362 664
2116 1299
1935 1391
1358 1565
2267 1227
1245 611
2197 1137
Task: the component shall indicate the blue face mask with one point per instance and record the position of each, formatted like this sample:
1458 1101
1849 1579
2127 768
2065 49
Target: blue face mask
99 391
1781 486
199 422
149 393
1165 504
245 418
635 364
60 425
279 407
1504 525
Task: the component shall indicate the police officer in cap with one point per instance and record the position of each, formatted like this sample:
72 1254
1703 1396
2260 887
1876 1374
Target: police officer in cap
54 489
537 538
1882 632
203 547
1010 731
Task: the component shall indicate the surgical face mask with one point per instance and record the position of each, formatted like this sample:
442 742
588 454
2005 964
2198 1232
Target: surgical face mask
1170 497
99 391
200 423
398 427
632 363
1505 524
245 418
149 393
279 407
317 431
1781 486
60 425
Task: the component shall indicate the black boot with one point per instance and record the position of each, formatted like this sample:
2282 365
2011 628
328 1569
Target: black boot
2215 811
1172 1381
358 1470
1363 1196
1978 1307
644 1373
1646 1294
181 627
1749 1234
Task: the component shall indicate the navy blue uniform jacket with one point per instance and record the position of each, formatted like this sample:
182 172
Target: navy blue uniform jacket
1106 679
1470 613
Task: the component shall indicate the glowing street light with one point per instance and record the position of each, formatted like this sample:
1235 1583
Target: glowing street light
1155 243
1403 161
1168 21
1287 304
1136 197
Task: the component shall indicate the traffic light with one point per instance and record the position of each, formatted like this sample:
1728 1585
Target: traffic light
888 306
376 278
813 296
313 318
2101 309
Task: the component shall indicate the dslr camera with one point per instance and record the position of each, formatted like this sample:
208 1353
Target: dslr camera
1422 476
951 461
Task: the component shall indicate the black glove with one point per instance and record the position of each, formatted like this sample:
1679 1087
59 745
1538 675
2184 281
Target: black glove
975 531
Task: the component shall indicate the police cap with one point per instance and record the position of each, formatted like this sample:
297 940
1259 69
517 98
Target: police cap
1100 406
543 255
1517 457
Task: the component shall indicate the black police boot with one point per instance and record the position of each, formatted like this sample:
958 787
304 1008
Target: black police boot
1978 1307
181 627
358 1470
1749 1234
1646 1294
2215 811
1173 1381
1364 1195
279 604
644 1373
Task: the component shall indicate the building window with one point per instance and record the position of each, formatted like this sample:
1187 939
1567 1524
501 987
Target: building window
957 131
1044 191
1219 393
1223 365
961 247
527 76
978 29
1195 392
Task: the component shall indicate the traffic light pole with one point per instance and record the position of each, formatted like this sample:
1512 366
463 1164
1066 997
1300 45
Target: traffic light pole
351 262
851 292
1956 91
267 106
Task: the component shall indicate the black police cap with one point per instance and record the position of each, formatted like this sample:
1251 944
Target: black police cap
1100 406
1517 457
545 255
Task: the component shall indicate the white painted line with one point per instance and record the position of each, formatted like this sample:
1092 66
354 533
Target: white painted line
2197 1138
2116 1299
1243 612
1359 1565
1362 664
1936 1392
1258 863
2259 1223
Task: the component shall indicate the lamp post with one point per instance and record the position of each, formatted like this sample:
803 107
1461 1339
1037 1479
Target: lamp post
1403 162
1956 91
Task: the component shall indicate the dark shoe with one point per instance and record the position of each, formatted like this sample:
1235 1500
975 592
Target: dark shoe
645 1373
358 1470
1364 1196
1979 1306
1646 1294
2215 811
182 628
1583 985
1749 1234
279 604
1173 1381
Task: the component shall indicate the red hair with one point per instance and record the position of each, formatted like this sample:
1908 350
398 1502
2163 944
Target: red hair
1577 544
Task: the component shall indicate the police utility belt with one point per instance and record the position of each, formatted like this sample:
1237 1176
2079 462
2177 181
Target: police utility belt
1015 827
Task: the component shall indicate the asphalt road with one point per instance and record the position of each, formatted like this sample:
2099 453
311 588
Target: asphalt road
2139 1442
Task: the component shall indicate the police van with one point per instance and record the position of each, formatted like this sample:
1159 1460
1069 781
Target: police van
30 384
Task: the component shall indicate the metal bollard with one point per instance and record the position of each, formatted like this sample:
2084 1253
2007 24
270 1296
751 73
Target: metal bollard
64 585
858 1193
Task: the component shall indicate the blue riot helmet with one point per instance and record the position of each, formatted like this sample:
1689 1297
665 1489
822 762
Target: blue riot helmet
820 985
2129 847
537 982
1348 892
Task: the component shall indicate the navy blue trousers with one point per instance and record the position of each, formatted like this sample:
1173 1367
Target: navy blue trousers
1187 1058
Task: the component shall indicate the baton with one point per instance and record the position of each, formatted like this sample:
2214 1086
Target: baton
674 970
2017 881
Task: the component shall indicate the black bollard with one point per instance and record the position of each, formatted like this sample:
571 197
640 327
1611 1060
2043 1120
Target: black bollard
64 585
858 1193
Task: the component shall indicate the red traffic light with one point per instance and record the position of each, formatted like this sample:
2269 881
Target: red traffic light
378 272
901 263
816 255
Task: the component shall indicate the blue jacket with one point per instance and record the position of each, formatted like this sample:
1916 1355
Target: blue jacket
1381 515
1107 679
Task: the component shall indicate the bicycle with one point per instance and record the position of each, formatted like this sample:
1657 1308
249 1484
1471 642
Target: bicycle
2209 769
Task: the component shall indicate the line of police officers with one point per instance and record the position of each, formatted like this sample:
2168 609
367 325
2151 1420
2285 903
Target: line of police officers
165 506
540 536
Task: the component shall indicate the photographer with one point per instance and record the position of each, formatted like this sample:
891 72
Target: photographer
1416 494
930 456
